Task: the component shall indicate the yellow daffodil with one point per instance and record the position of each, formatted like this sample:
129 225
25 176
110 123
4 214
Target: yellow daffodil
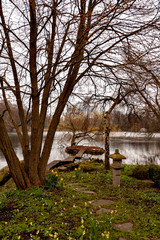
55 235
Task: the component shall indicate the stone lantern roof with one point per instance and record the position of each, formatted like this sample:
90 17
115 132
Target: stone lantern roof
116 155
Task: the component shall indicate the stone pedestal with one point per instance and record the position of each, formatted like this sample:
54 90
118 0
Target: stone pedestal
116 177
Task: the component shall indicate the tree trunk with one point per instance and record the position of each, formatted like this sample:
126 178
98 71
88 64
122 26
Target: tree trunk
107 140
17 171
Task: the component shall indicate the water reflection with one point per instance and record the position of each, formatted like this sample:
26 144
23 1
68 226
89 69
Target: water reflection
137 150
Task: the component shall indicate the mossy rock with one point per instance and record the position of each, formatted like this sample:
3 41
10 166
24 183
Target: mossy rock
154 174
141 172
4 172
4 175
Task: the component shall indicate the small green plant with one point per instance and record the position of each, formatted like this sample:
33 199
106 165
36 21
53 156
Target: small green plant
94 232
3 201
81 231
52 179
154 174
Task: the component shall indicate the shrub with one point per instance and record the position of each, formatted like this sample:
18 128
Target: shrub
128 169
96 160
140 172
154 174
86 167
72 166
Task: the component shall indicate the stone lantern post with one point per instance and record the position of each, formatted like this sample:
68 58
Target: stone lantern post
117 166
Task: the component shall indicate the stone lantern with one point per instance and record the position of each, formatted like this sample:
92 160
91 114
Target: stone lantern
117 166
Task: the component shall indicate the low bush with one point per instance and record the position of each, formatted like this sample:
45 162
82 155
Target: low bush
72 166
86 166
154 174
96 160
140 172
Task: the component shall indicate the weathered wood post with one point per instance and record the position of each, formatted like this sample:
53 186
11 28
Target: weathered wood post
117 166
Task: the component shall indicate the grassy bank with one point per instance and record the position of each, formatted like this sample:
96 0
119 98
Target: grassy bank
69 211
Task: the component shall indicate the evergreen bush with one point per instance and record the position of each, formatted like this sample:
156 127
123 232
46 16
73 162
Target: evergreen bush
154 174
140 172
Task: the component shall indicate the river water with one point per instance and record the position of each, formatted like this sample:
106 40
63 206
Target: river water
137 148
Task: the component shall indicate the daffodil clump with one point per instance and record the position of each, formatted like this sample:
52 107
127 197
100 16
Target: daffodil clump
81 230
105 234
52 179
77 172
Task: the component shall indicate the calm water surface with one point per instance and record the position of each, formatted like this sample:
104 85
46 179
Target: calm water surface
138 149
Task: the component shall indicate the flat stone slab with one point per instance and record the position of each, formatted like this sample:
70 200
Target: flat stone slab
80 188
104 210
122 238
126 227
89 192
102 202
62 169
73 184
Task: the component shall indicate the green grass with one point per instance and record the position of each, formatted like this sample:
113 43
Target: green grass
65 213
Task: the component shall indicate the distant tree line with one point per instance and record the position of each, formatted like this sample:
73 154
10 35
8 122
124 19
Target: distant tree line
76 120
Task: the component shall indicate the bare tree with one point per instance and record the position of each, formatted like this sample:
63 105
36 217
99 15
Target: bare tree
48 48
143 70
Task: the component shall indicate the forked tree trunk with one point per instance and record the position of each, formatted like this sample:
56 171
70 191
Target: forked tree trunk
17 171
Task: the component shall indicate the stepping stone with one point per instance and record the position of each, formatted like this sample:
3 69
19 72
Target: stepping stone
122 238
62 169
104 210
73 184
80 188
102 202
89 192
126 227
